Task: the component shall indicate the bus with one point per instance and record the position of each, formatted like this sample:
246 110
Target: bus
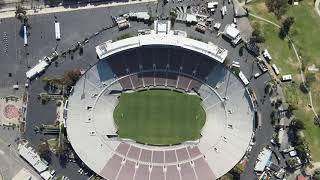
57 30
25 36
243 78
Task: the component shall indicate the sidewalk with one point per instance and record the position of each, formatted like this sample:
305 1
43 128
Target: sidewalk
10 11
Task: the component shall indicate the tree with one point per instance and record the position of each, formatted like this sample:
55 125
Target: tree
292 162
274 116
237 170
278 7
70 78
290 110
310 78
173 17
316 174
285 28
302 152
257 35
304 88
278 103
21 14
44 151
297 124
227 176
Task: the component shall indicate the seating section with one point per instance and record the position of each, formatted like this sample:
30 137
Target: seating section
126 83
148 78
136 81
184 82
134 162
160 78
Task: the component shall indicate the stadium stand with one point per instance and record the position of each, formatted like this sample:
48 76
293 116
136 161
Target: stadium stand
160 78
126 83
225 135
148 78
171 79
136 80
183 83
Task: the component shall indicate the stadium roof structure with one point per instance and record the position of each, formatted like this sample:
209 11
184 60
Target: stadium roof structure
169 38
92 132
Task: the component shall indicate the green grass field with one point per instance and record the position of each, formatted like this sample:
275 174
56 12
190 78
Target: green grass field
159 117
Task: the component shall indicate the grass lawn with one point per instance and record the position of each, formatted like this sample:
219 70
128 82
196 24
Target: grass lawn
159 117
304 33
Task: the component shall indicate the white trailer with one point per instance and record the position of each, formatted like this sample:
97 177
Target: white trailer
37 69
275 69
212 4
57 30
287 77
25 36
243 78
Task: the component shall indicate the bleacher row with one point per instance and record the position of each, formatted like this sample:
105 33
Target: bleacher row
159 79
225 135
157 164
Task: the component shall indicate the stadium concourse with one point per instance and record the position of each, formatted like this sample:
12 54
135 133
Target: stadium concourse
126 66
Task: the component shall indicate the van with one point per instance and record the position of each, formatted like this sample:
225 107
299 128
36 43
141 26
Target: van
256 75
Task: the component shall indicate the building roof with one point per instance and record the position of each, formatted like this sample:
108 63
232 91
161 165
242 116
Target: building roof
302 177
140 15
231 31
263 160
46 175
212 4
154 38
32 158
186 17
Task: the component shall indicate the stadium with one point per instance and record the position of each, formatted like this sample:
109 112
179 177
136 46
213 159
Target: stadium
160 106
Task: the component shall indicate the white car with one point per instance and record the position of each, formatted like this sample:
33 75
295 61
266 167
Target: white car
236 62
224 10
256 75
217 26
235 20
53 172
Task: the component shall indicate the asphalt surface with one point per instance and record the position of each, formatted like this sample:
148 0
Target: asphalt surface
77 25
11 163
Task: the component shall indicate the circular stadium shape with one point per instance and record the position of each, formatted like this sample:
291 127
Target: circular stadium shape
224 138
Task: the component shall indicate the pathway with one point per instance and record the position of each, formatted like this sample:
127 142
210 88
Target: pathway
317 6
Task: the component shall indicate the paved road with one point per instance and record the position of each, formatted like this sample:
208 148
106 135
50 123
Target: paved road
11 162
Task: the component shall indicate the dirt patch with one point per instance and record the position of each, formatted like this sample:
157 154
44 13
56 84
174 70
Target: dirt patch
10 111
